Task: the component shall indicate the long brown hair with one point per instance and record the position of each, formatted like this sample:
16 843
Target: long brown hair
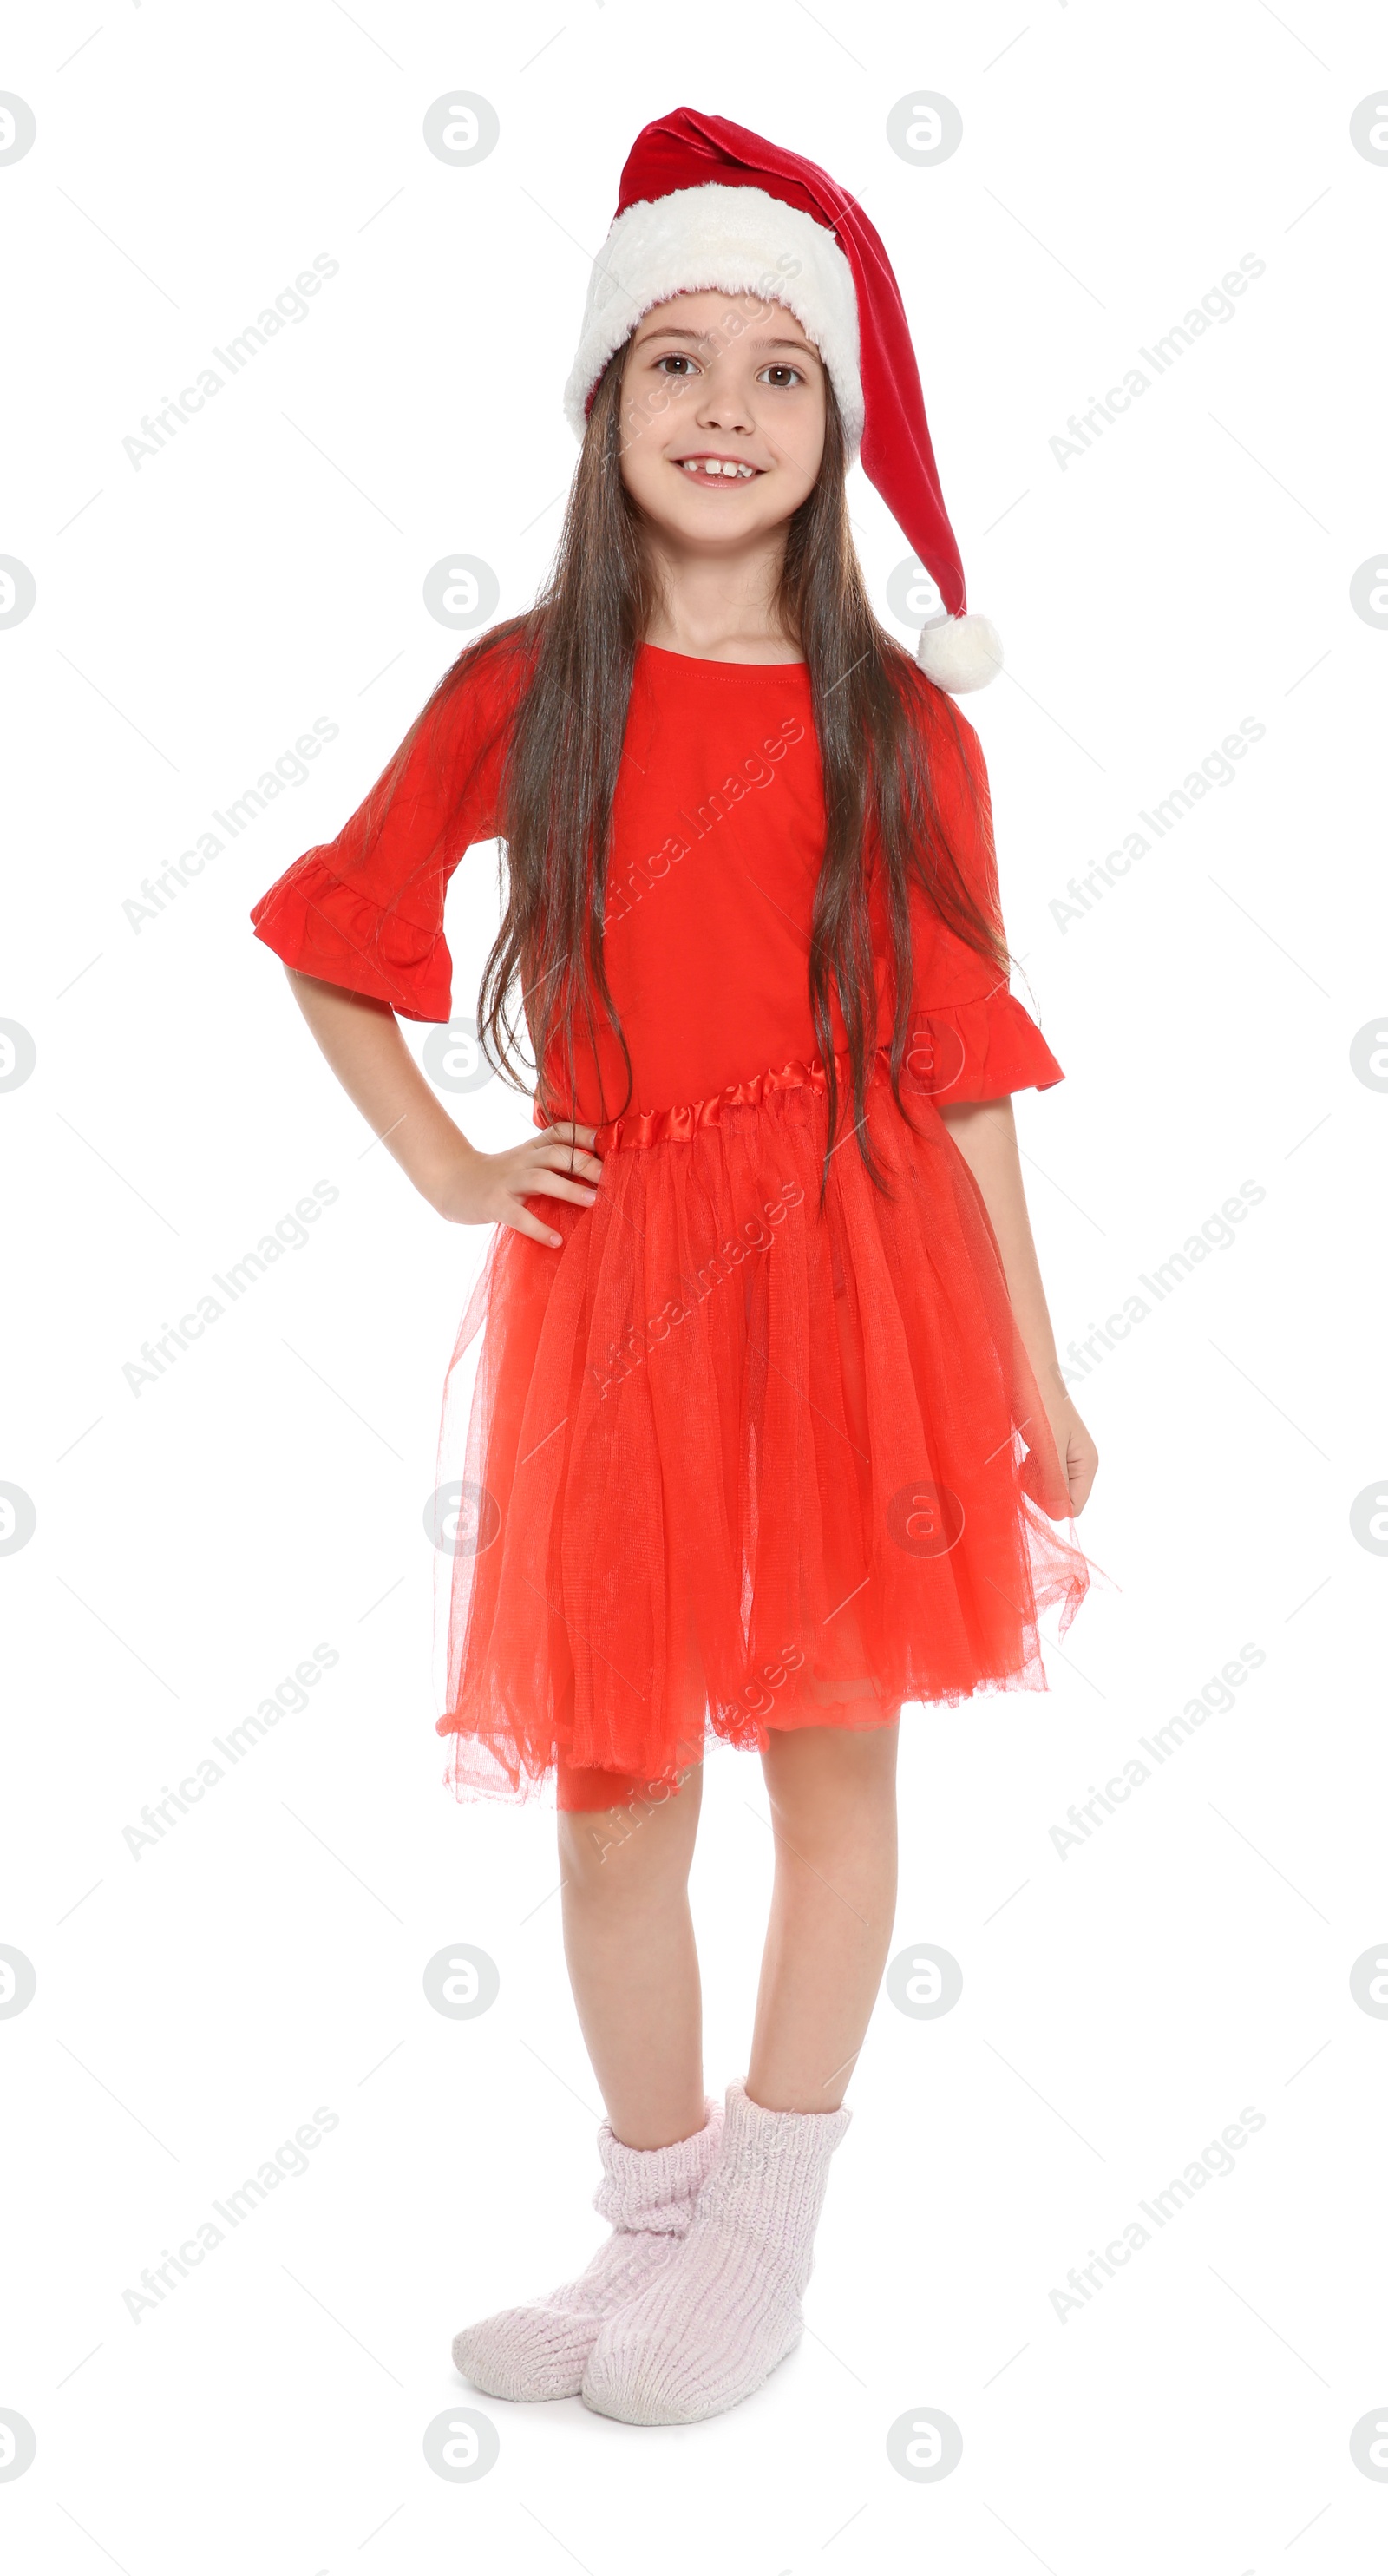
579 646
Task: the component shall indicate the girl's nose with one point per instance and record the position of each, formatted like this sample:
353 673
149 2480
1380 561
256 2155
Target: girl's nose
723 406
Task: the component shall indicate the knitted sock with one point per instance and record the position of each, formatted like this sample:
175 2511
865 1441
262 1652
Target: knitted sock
648 2194
716 2319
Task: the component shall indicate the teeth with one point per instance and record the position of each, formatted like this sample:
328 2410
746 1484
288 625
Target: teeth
717 465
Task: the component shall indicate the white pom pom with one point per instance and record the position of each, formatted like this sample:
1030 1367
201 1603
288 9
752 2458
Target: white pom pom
960 653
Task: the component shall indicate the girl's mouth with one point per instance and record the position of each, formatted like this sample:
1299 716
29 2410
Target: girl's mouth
716 473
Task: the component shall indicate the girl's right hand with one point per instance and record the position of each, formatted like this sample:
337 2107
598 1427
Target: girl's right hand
492 1189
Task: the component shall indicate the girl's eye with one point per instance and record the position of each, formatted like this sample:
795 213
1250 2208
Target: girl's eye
674 358
781 376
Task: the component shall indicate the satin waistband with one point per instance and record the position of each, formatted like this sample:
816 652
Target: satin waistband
681 1123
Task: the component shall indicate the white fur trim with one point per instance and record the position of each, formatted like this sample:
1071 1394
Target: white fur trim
738 240
959 653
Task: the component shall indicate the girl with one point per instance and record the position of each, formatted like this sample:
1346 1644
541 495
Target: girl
767 1426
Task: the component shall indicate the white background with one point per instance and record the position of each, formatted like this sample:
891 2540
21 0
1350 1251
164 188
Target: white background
194 1541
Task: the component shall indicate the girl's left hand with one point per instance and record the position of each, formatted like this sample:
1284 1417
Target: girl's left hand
1075 1451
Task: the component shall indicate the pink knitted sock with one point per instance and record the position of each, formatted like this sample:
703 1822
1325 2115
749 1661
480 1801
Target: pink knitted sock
648 2194
715 2320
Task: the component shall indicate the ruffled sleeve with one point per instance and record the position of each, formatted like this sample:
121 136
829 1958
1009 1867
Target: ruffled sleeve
971 1039
366 911
979 1050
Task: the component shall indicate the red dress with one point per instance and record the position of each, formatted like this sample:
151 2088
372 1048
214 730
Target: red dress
731 1463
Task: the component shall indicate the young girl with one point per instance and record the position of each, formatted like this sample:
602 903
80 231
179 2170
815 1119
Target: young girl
767 1426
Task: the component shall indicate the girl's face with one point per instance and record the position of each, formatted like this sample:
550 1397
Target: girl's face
722 419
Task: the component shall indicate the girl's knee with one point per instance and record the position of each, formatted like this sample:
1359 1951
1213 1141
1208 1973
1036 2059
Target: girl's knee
863 1750
828 1782
645 1823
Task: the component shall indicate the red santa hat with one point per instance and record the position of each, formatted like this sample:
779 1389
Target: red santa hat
702 204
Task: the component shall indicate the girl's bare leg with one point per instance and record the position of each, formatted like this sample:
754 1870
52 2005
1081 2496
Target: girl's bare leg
723 2310
833 1811
629 1942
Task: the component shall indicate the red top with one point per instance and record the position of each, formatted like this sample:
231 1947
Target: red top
718 834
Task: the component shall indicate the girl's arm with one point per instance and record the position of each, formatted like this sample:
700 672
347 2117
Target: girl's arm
362 1042
985 1132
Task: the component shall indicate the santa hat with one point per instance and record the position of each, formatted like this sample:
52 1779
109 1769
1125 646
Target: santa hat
702 204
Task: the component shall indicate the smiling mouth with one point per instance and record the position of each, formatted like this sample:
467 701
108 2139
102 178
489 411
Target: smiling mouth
715 473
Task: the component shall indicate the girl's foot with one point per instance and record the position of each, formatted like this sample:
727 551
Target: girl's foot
648 2194
725 2308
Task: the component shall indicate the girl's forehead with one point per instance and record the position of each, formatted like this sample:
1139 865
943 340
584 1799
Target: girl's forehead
700 313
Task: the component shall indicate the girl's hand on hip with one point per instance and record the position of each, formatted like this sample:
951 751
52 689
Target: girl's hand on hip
496 1189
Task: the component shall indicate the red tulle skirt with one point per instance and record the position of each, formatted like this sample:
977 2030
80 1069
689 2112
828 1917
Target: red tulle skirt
735 1462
